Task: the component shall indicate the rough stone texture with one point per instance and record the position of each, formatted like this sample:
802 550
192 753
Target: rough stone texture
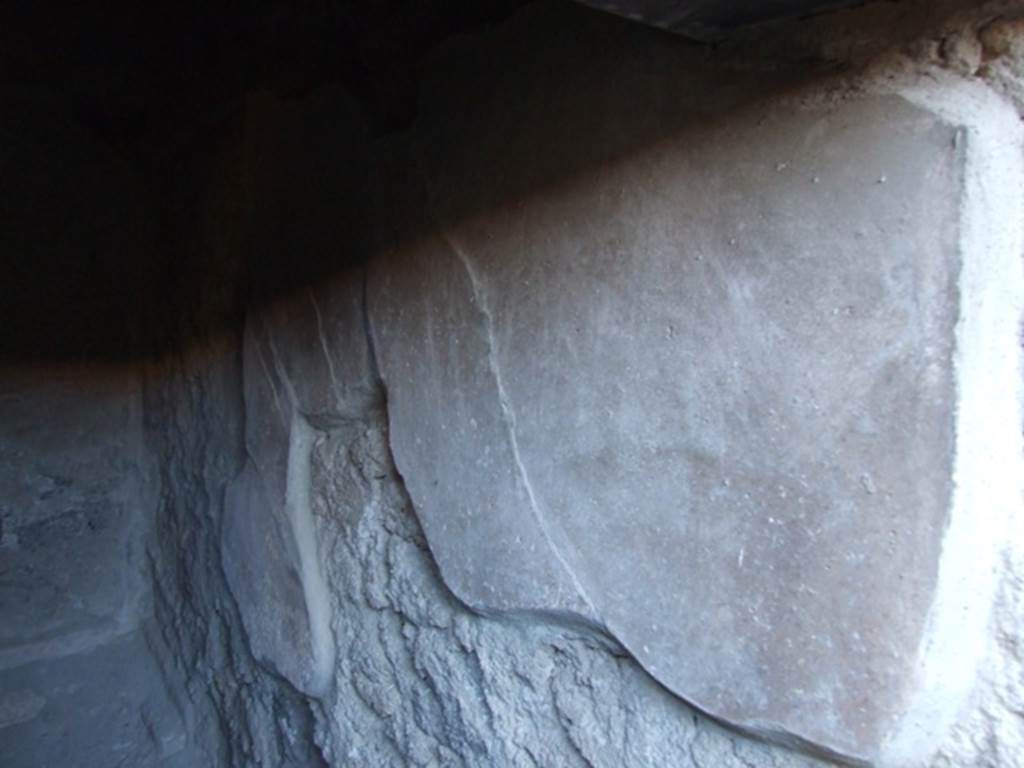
423 681
990 732
236 713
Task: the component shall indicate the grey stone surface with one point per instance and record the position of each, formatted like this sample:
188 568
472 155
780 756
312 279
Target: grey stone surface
725 373
466 441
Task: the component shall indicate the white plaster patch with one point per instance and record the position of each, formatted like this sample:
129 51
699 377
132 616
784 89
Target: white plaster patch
300 515
988 459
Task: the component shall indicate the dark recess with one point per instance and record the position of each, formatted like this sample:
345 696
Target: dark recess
155 86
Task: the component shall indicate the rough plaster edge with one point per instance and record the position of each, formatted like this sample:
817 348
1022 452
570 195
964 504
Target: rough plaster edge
314 585
988 467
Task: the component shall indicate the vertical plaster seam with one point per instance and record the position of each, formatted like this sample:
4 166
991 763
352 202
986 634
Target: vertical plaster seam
300 516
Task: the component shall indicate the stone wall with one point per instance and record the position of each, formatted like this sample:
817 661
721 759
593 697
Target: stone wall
646 403
513 232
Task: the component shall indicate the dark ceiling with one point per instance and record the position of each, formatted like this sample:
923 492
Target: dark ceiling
89 86
129 65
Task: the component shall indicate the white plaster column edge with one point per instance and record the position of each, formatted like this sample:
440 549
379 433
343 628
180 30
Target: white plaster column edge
989 453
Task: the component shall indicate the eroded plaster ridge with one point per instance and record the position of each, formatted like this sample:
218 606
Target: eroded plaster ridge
314 586
298 508
508 415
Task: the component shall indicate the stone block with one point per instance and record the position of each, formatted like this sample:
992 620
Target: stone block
706 397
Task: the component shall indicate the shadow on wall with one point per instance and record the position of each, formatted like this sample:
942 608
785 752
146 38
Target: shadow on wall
124 252
107 255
